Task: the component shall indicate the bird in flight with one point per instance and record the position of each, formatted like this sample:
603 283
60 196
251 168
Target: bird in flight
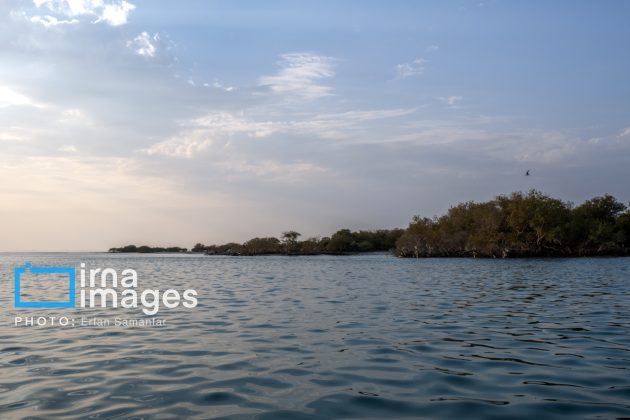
527 173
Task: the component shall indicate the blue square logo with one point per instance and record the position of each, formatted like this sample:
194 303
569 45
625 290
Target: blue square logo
69 271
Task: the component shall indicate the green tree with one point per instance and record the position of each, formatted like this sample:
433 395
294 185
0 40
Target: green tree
289 238
199 247
623 229
594 226
262 246
341 241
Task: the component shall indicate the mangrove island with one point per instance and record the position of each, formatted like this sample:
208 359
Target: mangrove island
521 224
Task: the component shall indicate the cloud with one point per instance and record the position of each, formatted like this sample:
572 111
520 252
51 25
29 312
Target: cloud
114 12
144 44
73 113
298 76
49 21
346 125
10 97
13 134
70 7
181 146
200 132
227 123
625 132
451 100
68 148
432 48
216 125
218 85
413 68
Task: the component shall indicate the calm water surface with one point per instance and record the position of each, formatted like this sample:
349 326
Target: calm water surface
333 337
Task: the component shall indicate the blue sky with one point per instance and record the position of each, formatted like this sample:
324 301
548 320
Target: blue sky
171 123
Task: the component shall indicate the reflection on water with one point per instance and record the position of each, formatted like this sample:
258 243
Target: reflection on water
321 337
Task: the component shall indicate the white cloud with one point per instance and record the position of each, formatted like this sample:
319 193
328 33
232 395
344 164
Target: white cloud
481 137
232 163
299 74
10 97
73 113
181 146
68 148
432 48
224 125
48 21
75 116
70 7
114 12
451 100
625 132
14 134
344 125
413 68
218 85
212 126
144 44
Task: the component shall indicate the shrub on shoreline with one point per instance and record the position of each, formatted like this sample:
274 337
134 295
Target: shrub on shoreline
521 225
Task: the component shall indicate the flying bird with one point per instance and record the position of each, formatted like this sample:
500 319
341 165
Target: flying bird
527 173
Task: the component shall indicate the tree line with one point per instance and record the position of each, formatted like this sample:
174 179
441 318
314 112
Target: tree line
521 225
343 241
145 249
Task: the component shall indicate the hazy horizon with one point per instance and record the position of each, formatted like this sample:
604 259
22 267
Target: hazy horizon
140 122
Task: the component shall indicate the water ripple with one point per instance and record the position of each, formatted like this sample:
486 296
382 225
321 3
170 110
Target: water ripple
335 337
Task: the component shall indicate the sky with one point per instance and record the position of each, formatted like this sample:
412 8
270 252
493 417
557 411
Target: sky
172 123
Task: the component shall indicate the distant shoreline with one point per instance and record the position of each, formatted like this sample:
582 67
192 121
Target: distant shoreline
391 253
520 225
235 254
